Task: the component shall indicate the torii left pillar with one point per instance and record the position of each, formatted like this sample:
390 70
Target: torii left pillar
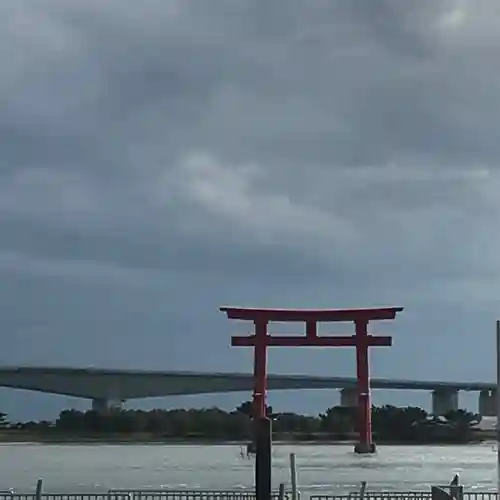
361 340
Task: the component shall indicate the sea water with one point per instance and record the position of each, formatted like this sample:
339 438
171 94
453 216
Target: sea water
327 468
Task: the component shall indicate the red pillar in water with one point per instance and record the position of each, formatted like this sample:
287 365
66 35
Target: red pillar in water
365 444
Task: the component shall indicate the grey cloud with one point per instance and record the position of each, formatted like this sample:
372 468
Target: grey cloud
147 77
280 153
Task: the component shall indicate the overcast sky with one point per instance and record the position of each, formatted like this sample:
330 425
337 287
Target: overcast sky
160 159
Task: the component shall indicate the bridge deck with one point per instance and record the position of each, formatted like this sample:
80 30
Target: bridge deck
99 382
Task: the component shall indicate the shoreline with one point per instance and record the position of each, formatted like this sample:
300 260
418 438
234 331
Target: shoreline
33 438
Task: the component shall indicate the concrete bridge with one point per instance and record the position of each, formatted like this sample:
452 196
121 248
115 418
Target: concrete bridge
110 388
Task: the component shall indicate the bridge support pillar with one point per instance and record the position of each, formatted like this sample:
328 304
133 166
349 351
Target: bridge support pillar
488 403
349 397
103 405
444 401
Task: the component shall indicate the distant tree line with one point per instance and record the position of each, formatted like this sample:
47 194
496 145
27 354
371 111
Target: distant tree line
390 423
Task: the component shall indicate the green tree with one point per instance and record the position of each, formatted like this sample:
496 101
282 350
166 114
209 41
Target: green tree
247 409
305 427
339 420
391 422
70 421
462 417
461 423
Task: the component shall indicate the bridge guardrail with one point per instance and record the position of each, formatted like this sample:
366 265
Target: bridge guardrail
247 494
234 495
402 495
12 495
376 495
143 495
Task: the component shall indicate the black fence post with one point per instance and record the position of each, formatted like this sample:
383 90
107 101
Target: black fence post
263 445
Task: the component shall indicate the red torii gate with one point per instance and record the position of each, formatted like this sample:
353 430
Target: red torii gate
361 340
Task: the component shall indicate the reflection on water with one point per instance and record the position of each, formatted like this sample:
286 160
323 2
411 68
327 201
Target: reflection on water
69 468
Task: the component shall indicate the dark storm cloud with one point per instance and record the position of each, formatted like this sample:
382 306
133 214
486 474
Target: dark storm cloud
107 109
301 83
194 153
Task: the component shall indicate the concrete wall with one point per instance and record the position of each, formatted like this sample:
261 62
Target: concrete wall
444 401
349 397
488 403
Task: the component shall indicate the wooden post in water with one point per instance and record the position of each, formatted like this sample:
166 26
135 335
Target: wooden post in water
362 490
263 458
281 491
293 476
38 492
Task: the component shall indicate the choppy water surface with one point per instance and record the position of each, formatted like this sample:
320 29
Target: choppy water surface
86 468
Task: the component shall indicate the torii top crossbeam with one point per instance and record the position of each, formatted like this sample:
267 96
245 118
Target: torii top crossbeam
305 315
